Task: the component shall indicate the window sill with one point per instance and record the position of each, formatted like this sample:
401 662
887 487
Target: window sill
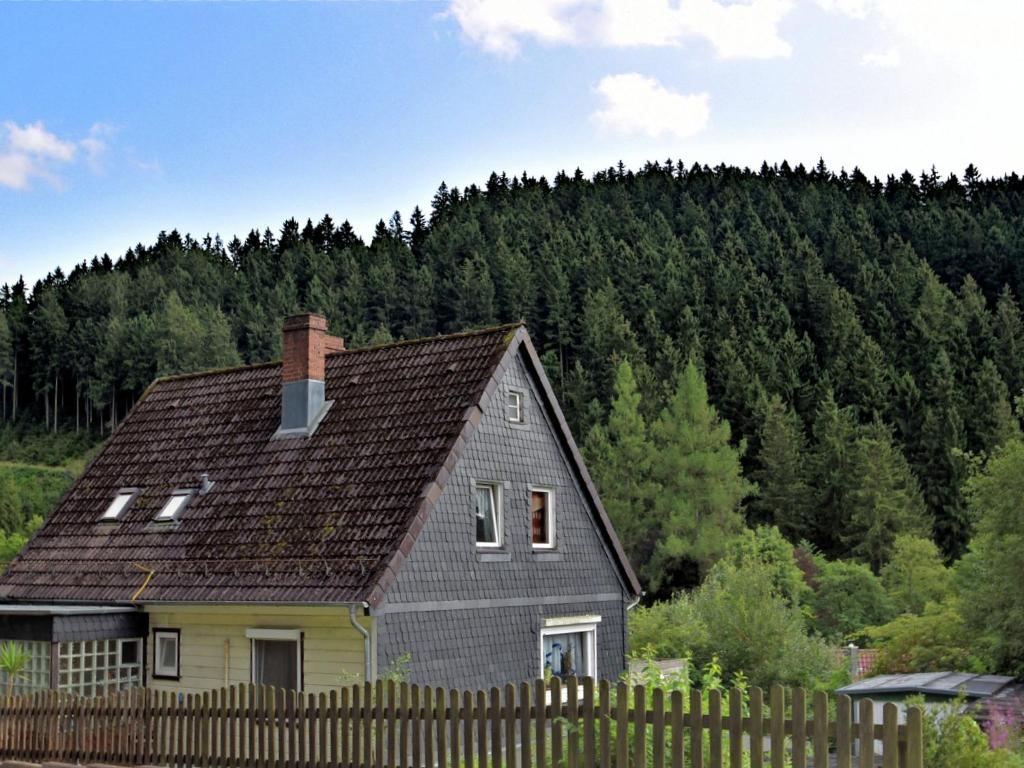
546 555
493 556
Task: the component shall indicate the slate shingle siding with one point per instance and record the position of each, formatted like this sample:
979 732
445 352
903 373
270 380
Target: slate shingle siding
490 644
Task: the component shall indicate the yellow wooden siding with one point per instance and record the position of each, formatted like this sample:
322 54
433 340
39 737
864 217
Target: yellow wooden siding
332 648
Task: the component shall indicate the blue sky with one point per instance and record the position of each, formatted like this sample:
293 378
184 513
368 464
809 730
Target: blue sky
120 120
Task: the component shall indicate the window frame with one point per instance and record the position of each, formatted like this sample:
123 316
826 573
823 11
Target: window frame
131 493
159 673
296 636
188 493
496 501
551 526
520 411
586 625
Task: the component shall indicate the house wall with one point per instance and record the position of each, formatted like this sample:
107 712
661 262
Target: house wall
332 648
472 617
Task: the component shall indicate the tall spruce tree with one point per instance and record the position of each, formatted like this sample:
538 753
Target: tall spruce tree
784 497
620 457
701 487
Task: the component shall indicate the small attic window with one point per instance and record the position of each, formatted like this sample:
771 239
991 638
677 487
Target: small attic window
119 504
514 407
174 506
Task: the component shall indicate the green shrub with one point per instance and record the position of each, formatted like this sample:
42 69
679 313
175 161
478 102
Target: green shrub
849 598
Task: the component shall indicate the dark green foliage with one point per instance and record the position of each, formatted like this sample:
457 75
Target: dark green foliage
849 598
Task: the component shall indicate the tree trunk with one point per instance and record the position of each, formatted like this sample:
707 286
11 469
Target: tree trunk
56 403
78 401
46 409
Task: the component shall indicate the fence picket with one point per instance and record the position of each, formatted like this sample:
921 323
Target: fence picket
428 726
540 732
757 728
495 718
367 724
696 729
511 759
640 727
866 734
715 728
524 726
915 739
890 736
843 733
481 729
453 725
440 701
355 731
658 729
605 705
778 726
572 704
414 696
556 722
467 729
378 724
735 728
589 745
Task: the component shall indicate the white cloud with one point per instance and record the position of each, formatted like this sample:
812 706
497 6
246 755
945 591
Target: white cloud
734 29
34 140
881 59
639 105
32 152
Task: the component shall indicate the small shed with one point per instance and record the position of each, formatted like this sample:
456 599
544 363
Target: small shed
983 693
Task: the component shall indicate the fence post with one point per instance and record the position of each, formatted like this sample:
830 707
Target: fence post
915 738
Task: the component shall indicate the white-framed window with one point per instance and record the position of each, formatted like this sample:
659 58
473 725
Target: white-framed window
514 407
487 498
542 518
120 503
167 654
173 507
276 657
568 647
35 675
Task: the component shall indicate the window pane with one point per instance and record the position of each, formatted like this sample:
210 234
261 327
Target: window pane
167 648
565 655
173 506
275 662
486 524
541 510
515 407
117 506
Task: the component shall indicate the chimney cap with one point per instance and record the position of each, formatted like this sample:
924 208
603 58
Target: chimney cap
303 320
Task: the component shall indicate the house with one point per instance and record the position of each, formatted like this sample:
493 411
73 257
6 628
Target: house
319 521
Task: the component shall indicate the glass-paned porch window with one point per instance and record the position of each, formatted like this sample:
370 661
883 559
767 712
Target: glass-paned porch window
36 675
96 667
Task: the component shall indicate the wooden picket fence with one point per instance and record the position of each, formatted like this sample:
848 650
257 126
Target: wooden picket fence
576 724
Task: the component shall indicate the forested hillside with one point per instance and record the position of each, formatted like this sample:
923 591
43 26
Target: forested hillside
863 339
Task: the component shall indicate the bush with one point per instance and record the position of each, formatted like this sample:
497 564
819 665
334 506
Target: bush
739 618
953 739
849 598
936 640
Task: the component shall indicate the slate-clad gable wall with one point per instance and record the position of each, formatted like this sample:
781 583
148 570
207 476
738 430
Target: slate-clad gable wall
496 639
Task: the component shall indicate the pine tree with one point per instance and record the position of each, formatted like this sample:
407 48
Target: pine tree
991 422
701 486
784 495
620 455
832 472
884 500
6 365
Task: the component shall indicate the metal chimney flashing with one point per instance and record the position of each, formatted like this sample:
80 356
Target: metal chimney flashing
303 407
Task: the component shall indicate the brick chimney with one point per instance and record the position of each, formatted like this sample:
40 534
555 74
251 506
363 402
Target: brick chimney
303 403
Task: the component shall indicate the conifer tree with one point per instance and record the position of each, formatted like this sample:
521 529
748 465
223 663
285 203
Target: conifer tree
991 421
701 486
620 456
784 497
884 500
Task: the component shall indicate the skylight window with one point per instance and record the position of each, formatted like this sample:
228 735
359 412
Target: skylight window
172 509
119 504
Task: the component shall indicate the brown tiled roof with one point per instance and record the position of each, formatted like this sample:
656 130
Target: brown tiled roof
300 520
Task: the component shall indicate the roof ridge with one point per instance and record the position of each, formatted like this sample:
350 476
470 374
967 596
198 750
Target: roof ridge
375 347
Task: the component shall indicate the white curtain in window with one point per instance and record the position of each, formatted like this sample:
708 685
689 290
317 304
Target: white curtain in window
565 654
275 662
486 532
